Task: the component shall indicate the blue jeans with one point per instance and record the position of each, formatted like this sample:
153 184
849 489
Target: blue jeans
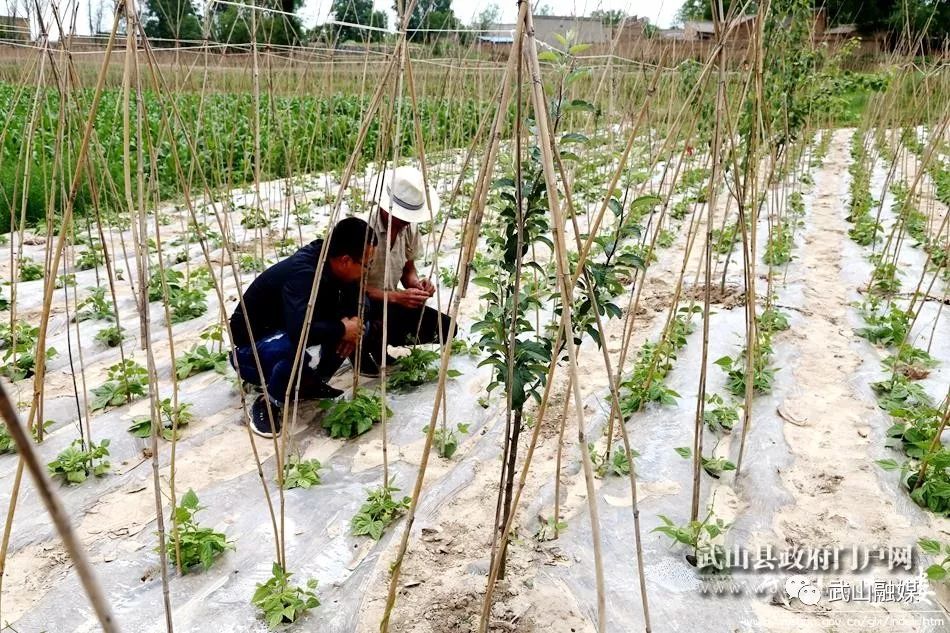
276 353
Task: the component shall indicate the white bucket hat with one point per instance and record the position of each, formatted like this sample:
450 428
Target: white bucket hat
401 193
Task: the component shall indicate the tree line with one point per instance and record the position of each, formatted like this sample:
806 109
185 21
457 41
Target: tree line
278 21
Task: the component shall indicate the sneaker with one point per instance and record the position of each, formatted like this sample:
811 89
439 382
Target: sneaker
260 420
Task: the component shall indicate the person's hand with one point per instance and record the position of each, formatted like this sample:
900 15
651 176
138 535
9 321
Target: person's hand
426 286
345 349
352 329
412 298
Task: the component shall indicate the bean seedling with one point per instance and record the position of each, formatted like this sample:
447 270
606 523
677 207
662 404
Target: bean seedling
75 463
379 511
281 602
301 473
349 418
196 545
446 441
127 381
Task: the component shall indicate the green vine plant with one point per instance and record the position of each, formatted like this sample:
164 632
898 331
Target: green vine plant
617 464
18 344
940 570
702 538
416 368
191 545
281 602
350 418
548 529
446 440
96 306
713 466
75 463
301 473
127 381
7 445
110 336
378 512
30 270
172 418
719 415
653 363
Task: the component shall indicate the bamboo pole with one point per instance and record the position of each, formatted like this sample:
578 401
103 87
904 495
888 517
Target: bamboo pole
57 512
566 288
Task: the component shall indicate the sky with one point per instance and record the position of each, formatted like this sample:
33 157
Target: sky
660 12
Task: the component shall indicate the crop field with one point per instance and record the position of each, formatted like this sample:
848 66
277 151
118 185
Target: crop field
697 379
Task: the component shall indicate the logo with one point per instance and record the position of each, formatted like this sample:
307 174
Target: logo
802 588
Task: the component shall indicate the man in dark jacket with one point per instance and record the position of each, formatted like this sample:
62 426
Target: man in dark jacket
271 317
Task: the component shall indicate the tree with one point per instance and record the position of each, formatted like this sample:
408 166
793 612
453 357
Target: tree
613 17
357 12
233 24
171 20
430 14
95 15
891 15
487 18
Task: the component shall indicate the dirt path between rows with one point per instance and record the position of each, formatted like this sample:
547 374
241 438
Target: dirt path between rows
838 499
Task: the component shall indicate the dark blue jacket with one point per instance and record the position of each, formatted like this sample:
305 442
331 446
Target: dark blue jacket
277 301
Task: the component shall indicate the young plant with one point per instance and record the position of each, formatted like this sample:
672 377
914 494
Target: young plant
700 537
773 320
281 602
719 416
939 571
187 303
109 336
416 368
885 324
301 473
198 359
349 418
90 258
379 511
196 545
74 464
448 277
95 306
911 361
763 376
173 281
19 350
618 464
172 418
7 445
30 270
127 381
548 529
446 441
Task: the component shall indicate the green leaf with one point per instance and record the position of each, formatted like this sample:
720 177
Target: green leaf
684 451
929 545
549 56
576 74
574 137
937 572
888 464
577 49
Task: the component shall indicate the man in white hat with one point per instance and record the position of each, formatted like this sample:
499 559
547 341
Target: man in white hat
400 194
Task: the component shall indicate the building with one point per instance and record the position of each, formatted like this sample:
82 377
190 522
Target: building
585 30
13 28
742 27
